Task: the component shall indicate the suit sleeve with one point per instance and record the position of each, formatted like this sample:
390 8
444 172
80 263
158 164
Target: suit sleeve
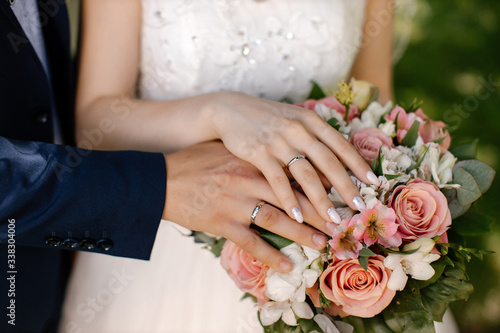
70 198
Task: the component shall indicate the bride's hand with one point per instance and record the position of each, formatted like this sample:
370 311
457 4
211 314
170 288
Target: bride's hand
211 190
270 135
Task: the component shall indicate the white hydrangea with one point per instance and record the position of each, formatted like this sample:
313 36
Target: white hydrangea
371 116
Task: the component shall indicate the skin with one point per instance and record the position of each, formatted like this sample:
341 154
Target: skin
264 134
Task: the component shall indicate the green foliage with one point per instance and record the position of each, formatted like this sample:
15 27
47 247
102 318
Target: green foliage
274 240
412 135
364 254
466 151
316 92
376 165
469 189
474 223
334 123
407 313
213 244
412 106
304 326
483 174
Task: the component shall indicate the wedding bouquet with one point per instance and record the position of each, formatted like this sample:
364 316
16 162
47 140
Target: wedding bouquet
395 266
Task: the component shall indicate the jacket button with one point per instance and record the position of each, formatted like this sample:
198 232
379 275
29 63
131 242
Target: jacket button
105 244
53 241
70 242
87 243
41 116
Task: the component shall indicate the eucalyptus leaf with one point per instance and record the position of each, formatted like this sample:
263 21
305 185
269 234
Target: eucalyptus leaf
469 189
412 135
482 173
456 209
316 92
466 151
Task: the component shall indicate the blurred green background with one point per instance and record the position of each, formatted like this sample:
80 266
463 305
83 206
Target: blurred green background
453 51
448 55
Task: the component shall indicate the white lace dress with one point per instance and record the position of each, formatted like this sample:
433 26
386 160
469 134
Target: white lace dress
271 49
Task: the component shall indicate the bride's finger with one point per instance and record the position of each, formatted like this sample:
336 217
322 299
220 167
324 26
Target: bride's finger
305 174
281 186
274 220
251 243
342 148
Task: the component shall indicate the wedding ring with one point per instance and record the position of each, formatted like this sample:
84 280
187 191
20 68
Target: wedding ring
256 211
295 159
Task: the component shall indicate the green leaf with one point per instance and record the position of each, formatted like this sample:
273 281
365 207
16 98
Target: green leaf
376 164
287 100
469 189
438 308
334 123
391 177
308 325
316 92
473 223
274 240
407 313
216 247
376 325
247 295
381 247
438 141
366 252
363 261
451 286
356 322
413 106
456 209
412 135
466 151
420 160
482 173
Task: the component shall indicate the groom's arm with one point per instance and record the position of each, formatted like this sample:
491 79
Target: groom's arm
50 194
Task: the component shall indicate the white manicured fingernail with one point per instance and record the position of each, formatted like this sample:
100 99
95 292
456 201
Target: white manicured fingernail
358 203
334 216
320 240
372 178
297 214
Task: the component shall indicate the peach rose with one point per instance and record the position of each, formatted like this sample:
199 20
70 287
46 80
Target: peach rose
433 130
354 291
368 141
248 273
421 210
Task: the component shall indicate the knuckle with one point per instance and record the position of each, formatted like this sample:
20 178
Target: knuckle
249 244
343 146
280 180
269 218
309 175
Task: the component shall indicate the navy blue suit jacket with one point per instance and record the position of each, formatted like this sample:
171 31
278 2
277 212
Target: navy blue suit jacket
56 197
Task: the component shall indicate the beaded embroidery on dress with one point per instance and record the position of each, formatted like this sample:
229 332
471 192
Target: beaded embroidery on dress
271 49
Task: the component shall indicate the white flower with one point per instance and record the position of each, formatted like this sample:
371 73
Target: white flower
416 264
272 311
371 116
292 285
329 326
394 161
326 114
445 167
363 91
389 128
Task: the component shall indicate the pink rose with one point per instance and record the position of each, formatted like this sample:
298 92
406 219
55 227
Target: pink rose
368 141
433 130
354 291
405 120
332 103
248 273
421 210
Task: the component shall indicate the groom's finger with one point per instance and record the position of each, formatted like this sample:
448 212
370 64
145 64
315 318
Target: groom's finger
251 243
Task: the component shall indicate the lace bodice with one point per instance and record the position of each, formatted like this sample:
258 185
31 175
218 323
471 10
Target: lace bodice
266 48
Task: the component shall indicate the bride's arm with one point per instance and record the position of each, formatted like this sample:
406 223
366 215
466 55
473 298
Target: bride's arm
374 60
265 133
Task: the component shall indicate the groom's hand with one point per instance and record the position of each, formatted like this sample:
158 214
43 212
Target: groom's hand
210 190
